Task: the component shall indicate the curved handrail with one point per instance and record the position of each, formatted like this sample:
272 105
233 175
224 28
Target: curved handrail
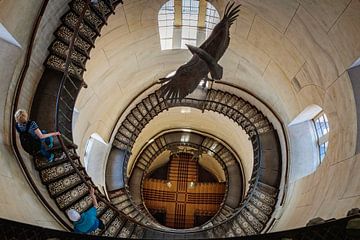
278 118
64 148
68 60
199 147
65 75
86 182
14 106
254 178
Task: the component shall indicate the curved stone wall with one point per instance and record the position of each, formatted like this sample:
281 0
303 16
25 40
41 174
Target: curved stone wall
291 54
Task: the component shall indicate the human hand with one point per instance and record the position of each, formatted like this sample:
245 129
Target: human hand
57 134
92 191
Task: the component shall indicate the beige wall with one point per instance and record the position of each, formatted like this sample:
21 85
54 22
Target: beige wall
17 200
290 53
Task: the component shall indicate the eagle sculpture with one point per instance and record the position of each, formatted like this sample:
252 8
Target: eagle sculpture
204 60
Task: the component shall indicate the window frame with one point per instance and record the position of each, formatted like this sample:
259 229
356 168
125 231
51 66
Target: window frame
321 126
189 25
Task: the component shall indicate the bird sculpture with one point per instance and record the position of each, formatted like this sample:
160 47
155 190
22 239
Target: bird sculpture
204 60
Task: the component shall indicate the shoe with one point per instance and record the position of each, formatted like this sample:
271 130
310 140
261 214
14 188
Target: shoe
51 158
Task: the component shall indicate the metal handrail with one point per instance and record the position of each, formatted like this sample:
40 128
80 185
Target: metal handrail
68 60
92 185
245 201
14 106
58 99
66 71
191 145
127 156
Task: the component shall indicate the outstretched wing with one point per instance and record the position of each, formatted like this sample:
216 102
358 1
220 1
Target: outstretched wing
185 80
219 39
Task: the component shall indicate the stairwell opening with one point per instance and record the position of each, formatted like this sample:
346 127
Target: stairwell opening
186 195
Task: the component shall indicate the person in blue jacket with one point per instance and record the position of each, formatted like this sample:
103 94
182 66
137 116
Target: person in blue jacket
87 221
23 124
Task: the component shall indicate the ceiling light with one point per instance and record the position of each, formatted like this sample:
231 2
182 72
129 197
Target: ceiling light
185 138
185 110
191 185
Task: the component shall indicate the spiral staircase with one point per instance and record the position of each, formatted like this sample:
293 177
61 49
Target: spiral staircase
67 182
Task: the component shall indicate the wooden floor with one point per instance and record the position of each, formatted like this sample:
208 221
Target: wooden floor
182 197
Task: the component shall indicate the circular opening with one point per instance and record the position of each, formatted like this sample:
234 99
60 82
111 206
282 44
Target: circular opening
182 193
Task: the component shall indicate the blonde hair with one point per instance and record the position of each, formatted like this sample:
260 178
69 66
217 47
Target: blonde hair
21 116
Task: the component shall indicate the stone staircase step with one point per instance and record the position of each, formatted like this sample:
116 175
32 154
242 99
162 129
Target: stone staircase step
126 230
114 227
90 16
150 108
62 170
131 127
70 20
68 198
41 163
107 216
261 206
57 63
138 233
65 184
120 145
61 49
253 221
124 139
245 225
268 189
237 229
258 214
264 197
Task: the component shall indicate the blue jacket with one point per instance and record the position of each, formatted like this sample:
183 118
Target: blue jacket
88 222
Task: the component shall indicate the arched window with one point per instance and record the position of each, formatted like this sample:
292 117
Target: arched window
309 134
186 22
322 131
94 158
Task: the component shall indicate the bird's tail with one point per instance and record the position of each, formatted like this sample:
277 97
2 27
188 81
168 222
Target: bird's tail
231 11
216 71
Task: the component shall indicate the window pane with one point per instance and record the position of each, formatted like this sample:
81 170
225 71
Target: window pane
189 28
318 128
322 129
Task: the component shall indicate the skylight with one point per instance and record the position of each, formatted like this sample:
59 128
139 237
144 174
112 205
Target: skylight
186 22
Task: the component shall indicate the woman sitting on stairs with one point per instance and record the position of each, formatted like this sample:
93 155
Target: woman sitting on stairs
34 140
